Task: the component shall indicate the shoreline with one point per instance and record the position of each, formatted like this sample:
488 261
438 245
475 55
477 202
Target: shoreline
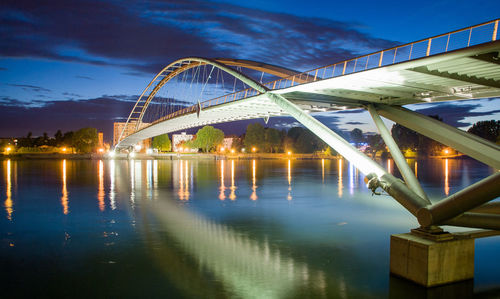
192 156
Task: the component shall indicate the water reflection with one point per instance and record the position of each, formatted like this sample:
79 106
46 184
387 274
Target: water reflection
416 169
8 192
232 196
446 181
323 170
132 183
289 196
246 267
253 196
351 178
389 166
222 188
64 191
183 192
112 191
340 185
100 191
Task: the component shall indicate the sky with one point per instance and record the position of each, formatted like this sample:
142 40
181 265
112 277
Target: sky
72 64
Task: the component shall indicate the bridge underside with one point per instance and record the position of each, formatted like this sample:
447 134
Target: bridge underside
469 73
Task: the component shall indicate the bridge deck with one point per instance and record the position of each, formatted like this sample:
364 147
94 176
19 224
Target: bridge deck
398 76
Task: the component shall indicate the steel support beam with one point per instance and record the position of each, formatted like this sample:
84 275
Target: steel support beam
454 76
474 146
375 174
462 201
399 159
476 220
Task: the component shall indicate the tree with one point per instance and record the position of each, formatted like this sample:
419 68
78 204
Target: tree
58 137
255 136
304 141
487 129
162 143
404 137
208 138
68 138
375 142
85 140
357 136
273 140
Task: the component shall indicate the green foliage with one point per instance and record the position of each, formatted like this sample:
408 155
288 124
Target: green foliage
304 141
85 140
255 136
162 143
487 129
410 140
208 138
375 142
357 136
273 140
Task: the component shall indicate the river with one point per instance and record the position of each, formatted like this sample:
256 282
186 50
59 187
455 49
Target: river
216 229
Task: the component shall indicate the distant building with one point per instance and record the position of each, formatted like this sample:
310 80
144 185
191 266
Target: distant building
227 143
118 128
178 141
100 139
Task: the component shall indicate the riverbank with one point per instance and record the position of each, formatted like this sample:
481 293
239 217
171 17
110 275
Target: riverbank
189 156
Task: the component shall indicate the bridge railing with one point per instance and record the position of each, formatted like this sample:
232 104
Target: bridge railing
459 39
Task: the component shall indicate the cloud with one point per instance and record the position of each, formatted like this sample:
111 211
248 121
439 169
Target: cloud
30 87
84 77
455 114
350 111
70 94
355 123
146 35
48 116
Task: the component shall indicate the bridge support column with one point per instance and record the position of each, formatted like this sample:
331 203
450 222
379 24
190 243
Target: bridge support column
432 262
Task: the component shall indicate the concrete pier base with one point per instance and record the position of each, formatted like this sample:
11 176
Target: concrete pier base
431 263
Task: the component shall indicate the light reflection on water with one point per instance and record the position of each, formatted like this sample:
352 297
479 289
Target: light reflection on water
311 246
64 191
8 190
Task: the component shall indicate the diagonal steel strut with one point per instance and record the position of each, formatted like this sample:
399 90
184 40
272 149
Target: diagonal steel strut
376 175
471 145
408 175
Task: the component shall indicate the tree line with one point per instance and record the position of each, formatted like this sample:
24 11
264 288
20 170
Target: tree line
302 140
256 138
84 140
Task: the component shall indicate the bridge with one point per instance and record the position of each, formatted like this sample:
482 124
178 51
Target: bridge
459 65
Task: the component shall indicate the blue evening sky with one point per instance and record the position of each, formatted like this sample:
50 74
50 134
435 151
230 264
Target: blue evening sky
70 64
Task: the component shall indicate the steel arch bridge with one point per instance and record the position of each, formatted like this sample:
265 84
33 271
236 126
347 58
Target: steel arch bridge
460 65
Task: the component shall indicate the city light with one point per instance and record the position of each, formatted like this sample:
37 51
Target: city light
64 149
111 154
254 149
243 150
101 150
132 155
232 151
222 149
446 151
289 153
8 149
138 147
149 151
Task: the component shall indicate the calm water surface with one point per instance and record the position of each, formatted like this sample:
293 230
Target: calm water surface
206 229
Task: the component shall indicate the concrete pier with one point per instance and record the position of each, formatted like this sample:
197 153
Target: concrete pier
432 263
